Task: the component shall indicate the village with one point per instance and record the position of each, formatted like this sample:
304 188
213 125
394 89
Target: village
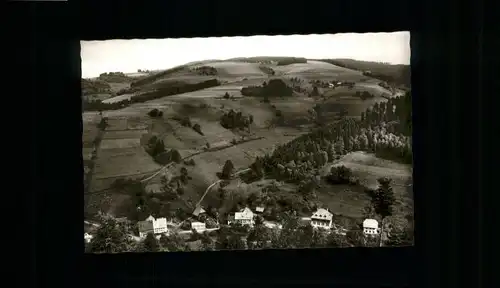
200 223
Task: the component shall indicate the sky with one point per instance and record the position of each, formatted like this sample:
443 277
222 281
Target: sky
155 54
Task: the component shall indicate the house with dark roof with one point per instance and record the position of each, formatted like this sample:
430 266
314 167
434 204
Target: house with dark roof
322 218
199 211
145 227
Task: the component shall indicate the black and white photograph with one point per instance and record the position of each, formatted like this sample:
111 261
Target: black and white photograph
247 143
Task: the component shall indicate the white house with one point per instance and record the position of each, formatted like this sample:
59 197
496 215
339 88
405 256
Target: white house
243 217
370 227
198 226
322 218
88 237
152 225
259 210
160 226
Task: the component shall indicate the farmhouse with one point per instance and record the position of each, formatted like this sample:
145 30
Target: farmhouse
198 226
152 225
370 227
243 217
322 218
145 227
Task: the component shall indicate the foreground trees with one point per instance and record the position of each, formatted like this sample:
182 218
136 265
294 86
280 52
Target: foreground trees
111 237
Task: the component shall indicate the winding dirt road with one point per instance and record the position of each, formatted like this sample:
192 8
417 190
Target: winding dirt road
217 182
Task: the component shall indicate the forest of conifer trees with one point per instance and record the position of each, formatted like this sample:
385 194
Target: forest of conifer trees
384 129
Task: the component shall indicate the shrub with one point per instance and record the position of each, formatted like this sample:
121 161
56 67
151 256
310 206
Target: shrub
184 121
197 128
235 120
154 113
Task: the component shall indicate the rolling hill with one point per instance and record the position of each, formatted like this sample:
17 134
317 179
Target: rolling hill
119 151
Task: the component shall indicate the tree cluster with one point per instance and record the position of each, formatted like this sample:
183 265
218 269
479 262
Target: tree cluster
205 70
273 88
155 113
111 237
235 120
115 77
341 175
97 86
268 70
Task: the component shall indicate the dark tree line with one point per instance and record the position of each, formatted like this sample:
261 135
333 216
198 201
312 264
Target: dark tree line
173 89
152 78
273 88
291 60
205 70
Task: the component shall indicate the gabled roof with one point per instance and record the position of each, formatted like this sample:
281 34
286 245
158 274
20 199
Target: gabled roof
370 223
199 210
246 210
145 226
322 214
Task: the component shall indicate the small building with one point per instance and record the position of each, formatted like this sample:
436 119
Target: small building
259 210
331 85
370 227
199 211
145 227
243 217
88 237
322 218
198 226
